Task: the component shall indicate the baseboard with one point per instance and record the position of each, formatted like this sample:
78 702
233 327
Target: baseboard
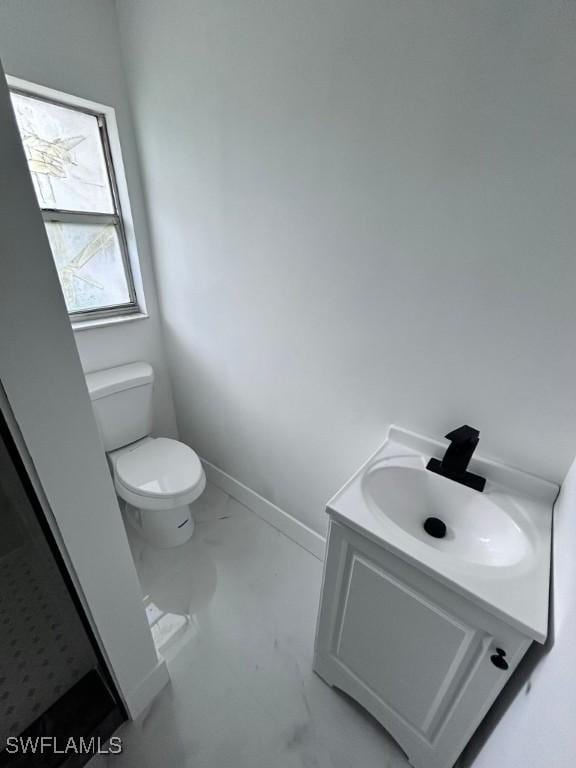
299 532
147 689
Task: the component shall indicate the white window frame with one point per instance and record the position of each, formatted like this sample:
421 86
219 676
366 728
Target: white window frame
122 216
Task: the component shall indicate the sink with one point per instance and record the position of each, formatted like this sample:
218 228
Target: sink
478 529
494 547
432 591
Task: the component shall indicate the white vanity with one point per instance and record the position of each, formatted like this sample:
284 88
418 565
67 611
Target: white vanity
425 632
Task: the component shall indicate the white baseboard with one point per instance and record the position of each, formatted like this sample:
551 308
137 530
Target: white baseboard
299 532
147 690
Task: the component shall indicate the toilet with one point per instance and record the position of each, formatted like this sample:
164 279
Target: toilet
157 477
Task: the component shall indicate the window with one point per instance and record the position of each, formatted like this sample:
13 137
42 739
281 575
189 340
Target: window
69 157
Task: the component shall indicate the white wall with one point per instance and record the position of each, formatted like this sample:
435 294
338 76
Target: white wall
538 729
362 212
42 377
73 46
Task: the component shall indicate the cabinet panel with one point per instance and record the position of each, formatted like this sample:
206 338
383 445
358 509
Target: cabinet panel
405 648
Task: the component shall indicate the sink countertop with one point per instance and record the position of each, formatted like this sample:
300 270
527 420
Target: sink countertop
518 593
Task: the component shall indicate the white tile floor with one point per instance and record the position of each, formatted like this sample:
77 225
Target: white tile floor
241 600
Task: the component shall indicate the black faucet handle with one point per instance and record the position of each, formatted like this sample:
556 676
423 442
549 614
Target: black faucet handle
464 434
454 465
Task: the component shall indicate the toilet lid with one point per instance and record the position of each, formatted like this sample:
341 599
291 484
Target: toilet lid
159 468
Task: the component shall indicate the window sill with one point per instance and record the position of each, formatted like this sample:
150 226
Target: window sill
103 322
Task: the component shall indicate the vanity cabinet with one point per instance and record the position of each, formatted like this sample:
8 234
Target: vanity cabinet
425 661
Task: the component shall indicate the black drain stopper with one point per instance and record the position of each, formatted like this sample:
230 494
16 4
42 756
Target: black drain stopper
435 527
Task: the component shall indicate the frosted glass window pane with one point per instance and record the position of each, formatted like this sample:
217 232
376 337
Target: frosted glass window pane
65 156
89 263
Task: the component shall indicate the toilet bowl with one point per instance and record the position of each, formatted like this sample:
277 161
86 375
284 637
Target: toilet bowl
157 478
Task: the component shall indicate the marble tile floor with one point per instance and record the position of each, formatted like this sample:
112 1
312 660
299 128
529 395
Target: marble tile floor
234 611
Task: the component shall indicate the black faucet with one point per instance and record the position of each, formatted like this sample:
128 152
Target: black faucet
463 442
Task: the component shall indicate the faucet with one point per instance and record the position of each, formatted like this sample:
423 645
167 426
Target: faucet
463 442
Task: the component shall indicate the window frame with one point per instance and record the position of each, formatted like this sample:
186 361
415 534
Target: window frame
106 121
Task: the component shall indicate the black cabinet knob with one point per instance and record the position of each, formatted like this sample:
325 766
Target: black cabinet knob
498 659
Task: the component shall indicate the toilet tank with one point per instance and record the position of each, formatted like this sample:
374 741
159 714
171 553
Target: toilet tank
122 403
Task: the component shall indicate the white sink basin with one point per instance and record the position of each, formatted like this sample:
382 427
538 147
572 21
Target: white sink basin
478 529
496 551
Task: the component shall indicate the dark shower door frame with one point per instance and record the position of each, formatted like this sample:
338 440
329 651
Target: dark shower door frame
83 689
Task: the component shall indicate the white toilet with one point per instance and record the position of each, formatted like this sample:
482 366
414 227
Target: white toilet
158 478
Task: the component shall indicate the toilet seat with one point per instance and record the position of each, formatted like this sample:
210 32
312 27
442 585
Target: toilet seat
158 473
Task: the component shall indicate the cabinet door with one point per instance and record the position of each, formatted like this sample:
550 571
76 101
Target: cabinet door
412 652
406 649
